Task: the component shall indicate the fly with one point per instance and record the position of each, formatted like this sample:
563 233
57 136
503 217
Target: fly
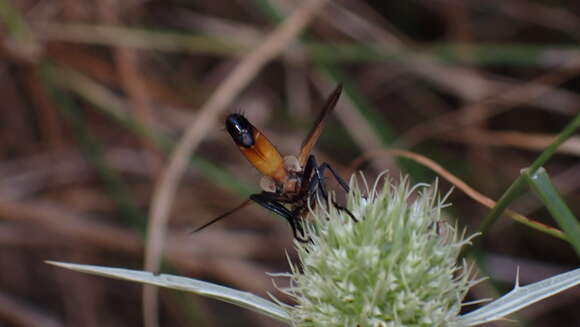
288 183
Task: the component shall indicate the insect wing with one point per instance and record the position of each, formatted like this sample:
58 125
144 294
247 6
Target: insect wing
316 130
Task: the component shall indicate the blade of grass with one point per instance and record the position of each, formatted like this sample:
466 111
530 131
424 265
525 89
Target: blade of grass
164 192
515 189
520 297
242 299
91 148
107 104
542 185
338 52
457 182
13 21
377 124
23 39
517 186
380 128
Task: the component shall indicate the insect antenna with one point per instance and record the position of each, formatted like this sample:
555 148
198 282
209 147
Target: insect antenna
243 204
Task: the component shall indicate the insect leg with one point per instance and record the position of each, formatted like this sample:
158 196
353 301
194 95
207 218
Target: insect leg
270 202
339 179
318 180
308 187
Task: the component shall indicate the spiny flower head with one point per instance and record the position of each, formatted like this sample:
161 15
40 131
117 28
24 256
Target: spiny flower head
396 266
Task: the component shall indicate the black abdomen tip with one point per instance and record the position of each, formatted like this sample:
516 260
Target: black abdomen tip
240 129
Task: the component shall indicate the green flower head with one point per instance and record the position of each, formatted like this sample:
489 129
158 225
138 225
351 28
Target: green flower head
396 266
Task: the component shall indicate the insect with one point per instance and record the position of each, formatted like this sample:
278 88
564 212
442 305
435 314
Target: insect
290 183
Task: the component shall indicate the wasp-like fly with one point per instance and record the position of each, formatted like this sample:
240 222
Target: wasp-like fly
289 183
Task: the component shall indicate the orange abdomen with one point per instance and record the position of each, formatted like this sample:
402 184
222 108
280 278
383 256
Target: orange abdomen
259 151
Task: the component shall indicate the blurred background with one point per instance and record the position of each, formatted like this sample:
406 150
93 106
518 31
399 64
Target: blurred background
96 94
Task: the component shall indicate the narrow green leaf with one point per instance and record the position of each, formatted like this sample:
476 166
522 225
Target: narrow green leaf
107 104
541 184
142 37
92 149
514 190
243 299
15 24
521 297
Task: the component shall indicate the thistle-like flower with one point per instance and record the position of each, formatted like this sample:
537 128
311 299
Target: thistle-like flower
396 266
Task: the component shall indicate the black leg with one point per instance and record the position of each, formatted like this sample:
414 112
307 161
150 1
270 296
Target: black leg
312 182
313 179
307 186
317 183
339 179
270 201
312 166
267 201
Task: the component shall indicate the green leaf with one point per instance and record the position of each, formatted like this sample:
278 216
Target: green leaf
541 184
243 299
521 297
515 189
